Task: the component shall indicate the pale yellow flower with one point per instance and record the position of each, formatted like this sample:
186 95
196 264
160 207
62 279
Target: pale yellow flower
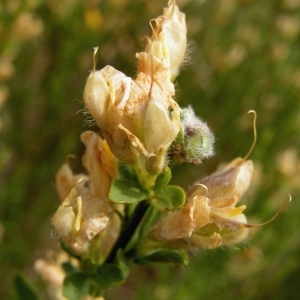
210 217
135 116
168 42
85 209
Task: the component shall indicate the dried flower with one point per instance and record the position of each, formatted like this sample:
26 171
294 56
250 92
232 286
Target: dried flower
139 117
135 116
210 217
85 208
52 274
168 42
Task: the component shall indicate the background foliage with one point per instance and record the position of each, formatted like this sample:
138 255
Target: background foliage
245 56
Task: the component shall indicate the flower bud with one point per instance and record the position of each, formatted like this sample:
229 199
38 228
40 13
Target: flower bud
195 141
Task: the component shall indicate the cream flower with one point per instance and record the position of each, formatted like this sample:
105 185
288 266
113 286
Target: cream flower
210 217
135 116
168 42
85 209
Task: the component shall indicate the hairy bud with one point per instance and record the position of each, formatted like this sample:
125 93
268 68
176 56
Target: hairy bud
195 140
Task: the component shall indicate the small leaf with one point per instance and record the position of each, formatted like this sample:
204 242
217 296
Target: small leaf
23 288
168 198
126 191
68 267
163 178
164 256
76 286
87 266
122 261
66 248
127 172
109 275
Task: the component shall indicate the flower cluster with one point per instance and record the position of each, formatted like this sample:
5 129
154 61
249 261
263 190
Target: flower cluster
86 211
143 130
124 208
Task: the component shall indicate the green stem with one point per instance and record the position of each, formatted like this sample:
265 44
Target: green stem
128 230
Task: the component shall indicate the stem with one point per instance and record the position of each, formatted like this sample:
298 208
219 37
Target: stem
128 230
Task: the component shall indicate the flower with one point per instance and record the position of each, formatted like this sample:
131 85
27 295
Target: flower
85 210
168 42
136 117
210 218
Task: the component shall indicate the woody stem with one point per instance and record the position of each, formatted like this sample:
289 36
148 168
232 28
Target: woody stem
128 230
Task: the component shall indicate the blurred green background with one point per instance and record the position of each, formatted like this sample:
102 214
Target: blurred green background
246 55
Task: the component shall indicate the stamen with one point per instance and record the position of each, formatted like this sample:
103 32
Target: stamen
172 2
94 58
152 28
199 190
277 213
254 133
152 71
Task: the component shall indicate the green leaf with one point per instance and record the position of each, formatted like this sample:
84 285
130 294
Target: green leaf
164 256
66 248
109 275
127 172
123 262
87 266
126 191
23 288
68 267
76 286
168 198
163 178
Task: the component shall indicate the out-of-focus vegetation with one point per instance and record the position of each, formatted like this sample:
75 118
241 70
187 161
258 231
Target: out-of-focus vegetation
245 56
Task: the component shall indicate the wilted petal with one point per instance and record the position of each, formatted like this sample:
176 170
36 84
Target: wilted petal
80 217
226 187
105 96
169 41
100 163
65 179
63 221
182 223
160 130
217 239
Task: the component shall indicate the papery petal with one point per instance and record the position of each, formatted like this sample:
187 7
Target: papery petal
215 235
178 224
63 221
170 30
226 187
160 131
211 242
182 223
100 163
65 179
